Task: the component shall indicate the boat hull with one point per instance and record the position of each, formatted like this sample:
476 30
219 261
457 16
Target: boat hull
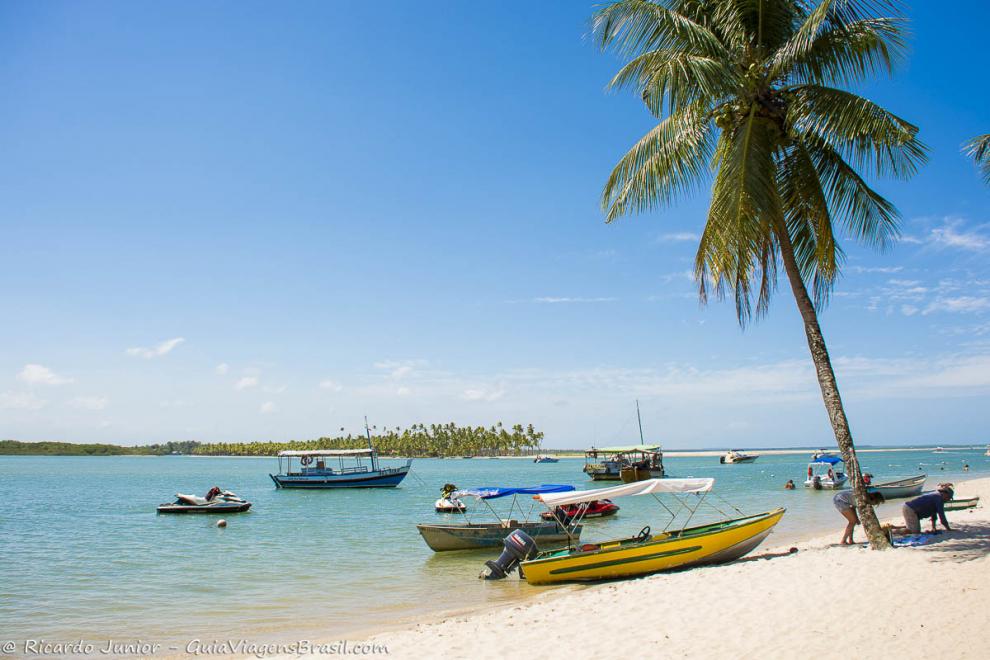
227 507
733 461
388 478
959 505
828 484
709 544
899 489
474 536
629 475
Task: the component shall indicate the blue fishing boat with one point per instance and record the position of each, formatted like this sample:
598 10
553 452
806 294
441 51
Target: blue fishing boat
346 468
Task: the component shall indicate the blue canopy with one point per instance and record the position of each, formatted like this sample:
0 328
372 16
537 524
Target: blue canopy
831 460
492 492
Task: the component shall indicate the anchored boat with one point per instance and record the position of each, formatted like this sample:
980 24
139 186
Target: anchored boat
901 488
645 553
337 468
733 456
447 502
960 503
826 472
215 501
626 463
473 535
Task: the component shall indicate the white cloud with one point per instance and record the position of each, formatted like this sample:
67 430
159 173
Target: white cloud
35 374
483 394
245 382
222 369
678 237
947 236
20 401
268 407
403 391
90 402
399 369
909 310
331 385
158 350
959 305
687 275
876 269
275 389
556 300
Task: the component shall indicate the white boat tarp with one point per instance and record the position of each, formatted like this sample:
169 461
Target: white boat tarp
636 488
328 452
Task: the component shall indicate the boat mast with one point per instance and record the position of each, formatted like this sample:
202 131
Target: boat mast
640 420
374 457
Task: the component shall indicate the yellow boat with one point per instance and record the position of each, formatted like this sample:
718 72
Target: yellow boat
712 543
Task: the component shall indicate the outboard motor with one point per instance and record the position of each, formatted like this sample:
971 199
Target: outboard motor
518 546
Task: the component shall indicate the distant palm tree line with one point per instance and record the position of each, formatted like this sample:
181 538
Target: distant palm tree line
419 440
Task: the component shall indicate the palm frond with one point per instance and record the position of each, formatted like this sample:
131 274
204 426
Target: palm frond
670 160
808 222
676 79
735 247
865 133
631 27
979 150
843 54
866 215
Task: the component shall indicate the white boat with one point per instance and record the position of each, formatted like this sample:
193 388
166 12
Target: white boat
733 456
826 473
987 452
545 459
448 502
939 450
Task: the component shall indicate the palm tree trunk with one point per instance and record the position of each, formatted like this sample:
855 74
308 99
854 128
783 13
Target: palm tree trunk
830 393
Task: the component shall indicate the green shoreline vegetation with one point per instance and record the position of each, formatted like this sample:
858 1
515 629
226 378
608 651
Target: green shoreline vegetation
419 440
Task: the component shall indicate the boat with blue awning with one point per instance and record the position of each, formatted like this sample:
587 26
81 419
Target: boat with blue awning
826 472
474 535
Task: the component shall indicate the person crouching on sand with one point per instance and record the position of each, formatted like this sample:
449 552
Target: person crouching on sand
928 505
846 505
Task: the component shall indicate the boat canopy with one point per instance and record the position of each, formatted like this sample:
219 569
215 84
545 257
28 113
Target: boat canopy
623 449
493 492
645 487
329 452
831 460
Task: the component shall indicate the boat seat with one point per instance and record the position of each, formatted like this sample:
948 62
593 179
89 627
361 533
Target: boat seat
191 499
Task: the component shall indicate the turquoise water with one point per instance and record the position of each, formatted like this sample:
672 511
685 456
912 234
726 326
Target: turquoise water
86 556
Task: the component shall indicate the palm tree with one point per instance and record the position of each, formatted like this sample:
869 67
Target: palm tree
979 150
749 91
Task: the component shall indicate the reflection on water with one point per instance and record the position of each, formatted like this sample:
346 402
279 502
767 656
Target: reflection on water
85 554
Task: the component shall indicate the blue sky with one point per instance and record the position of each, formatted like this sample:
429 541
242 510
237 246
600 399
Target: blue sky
250 221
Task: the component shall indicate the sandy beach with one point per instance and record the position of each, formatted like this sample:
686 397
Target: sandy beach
824 598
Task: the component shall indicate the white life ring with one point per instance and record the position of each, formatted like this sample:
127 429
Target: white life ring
306 460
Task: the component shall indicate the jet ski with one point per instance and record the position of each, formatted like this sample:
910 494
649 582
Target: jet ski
596 509
216 500
447 502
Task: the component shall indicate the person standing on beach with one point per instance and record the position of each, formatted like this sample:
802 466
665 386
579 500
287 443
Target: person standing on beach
846 505
928 505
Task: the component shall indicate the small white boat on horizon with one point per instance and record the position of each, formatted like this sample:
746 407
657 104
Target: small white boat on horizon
732 456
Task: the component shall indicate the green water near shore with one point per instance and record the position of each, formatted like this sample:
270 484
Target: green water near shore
86 556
